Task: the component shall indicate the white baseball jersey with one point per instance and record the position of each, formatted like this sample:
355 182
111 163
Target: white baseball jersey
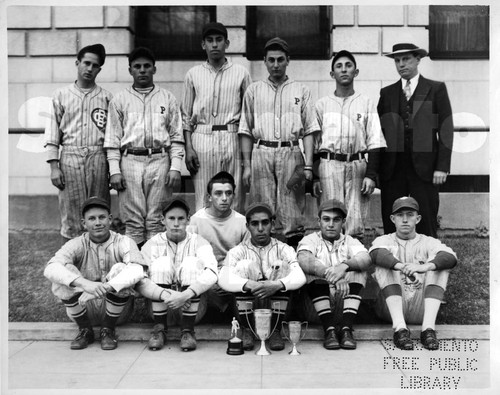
264 258
79 119
420 249
94 261
75 136
282 112
328 253
222 233
214 97
144 121
348 126
193 247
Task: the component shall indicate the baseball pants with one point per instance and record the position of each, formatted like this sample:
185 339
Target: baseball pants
85 172
343 181
142 200
271 170
163 273
393 282
119 305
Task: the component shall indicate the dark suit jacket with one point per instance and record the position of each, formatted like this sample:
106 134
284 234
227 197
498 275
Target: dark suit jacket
432 125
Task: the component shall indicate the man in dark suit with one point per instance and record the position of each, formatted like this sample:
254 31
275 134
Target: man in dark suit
415 114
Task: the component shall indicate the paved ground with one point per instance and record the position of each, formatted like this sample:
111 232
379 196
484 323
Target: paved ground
34 363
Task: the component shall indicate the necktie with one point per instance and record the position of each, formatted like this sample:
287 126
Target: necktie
407 90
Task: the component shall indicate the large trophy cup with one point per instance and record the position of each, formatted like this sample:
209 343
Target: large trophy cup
295 334
262 318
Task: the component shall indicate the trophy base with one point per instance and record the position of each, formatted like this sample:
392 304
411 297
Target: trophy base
234 347
294 352
263 349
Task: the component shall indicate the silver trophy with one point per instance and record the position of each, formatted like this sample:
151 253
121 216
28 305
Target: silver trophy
295 334
262 318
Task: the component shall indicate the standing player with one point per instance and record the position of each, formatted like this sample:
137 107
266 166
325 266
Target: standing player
350 129
261 269
100 264
223 227
211 108
277 113
331 259
180 261
145 148
74 140
412 271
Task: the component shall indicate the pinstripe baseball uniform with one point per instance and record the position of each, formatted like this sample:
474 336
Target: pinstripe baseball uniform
421 249
189 263
117 261
138 122
246 261
278 113
213 98
348 126
77 126
333 254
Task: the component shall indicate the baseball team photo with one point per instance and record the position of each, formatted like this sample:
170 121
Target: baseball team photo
268 197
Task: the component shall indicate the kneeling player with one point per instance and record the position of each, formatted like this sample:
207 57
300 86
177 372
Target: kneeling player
182 263
331 259
98 265
264 268
412 272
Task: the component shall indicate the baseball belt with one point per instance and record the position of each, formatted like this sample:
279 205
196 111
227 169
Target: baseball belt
341 157
276 144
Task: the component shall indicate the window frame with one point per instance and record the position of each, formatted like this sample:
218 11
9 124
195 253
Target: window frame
170 54
255 44
437 51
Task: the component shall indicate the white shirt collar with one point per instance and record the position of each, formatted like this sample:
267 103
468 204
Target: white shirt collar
413 83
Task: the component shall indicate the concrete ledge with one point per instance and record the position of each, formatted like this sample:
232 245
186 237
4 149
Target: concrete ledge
66 331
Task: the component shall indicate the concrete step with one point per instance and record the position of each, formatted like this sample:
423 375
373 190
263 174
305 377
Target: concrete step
66 331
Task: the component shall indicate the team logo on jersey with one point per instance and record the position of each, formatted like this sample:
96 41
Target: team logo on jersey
359 117
297 100
99 117
162 110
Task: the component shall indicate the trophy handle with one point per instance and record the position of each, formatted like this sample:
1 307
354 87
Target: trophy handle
284 332
248 321
304 334
272 310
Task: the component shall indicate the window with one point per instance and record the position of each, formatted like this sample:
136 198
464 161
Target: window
304 28
172 32
459 32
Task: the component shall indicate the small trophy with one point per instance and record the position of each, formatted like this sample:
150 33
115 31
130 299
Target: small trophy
235 344
295 334
262 318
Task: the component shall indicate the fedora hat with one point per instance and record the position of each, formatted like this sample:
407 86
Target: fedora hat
398 49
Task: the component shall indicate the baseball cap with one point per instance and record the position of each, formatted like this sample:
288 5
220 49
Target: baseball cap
405 202
95 201
214 27
277 42
258 207
175 202
398 49
97 49
332 204
141 52
342 53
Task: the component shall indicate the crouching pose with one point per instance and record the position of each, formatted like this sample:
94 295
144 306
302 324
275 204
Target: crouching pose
412 272
261 268
332 260
100 265
182 266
